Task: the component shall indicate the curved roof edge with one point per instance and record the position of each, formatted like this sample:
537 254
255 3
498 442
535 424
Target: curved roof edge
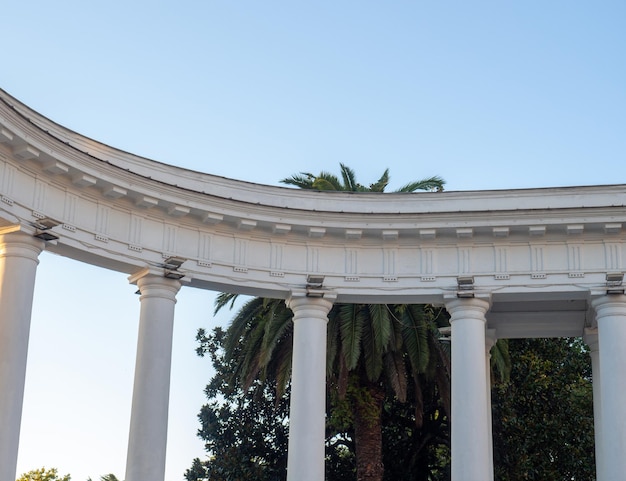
85 155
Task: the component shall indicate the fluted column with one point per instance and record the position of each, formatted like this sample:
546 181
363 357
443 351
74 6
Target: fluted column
470 449
591 338
307 411
19 254
611 320
148 423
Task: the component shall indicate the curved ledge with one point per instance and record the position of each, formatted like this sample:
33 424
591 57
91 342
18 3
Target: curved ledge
121 211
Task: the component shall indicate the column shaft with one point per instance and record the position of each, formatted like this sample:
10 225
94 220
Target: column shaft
470 449
611 319
18 264
307 412
148 424
591 338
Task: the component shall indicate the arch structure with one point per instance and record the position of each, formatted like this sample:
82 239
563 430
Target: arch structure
505 263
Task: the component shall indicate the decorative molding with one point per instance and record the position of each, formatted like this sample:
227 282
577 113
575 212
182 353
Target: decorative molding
122 211
240 258
351 261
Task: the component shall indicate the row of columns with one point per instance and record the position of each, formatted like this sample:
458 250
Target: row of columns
471 436
19 254
472 458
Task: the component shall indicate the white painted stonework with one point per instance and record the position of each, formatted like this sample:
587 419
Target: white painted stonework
537 259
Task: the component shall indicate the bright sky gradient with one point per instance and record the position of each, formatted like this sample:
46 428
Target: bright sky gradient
487 94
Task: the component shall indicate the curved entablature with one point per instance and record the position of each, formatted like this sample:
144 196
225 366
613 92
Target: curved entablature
124 212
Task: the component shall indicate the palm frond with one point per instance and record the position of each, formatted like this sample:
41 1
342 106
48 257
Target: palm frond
372 354
380 184
381 326
249 366
224 298
304 180
430 183
241 323
277 321
351 330
395 373
349 178
501 360
249 325
396 339
326 183
281 363
415 334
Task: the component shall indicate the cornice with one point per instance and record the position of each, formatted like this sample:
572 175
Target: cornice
125 212
89 168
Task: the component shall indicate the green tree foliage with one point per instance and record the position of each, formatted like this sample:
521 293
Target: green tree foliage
43 474
543 416
413 452
246 430
348 183
243 450
410 452
373 351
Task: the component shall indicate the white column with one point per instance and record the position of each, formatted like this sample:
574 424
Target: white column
148 423
611 319
470 448
591 338
18 264
490 341
307 411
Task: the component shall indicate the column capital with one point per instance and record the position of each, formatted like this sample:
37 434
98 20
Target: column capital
615 301
475 307
298 301
16 242
608 305
152 283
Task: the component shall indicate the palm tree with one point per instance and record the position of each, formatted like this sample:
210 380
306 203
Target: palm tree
327 181
108 477
371 347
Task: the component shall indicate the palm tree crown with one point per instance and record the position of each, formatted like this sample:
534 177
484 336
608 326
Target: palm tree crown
348 183
371 347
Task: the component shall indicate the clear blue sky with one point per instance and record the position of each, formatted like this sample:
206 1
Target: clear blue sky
487 94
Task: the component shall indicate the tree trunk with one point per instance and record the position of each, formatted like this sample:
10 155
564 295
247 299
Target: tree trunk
368 438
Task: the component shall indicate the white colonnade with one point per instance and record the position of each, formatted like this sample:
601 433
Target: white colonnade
471 432
538 256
